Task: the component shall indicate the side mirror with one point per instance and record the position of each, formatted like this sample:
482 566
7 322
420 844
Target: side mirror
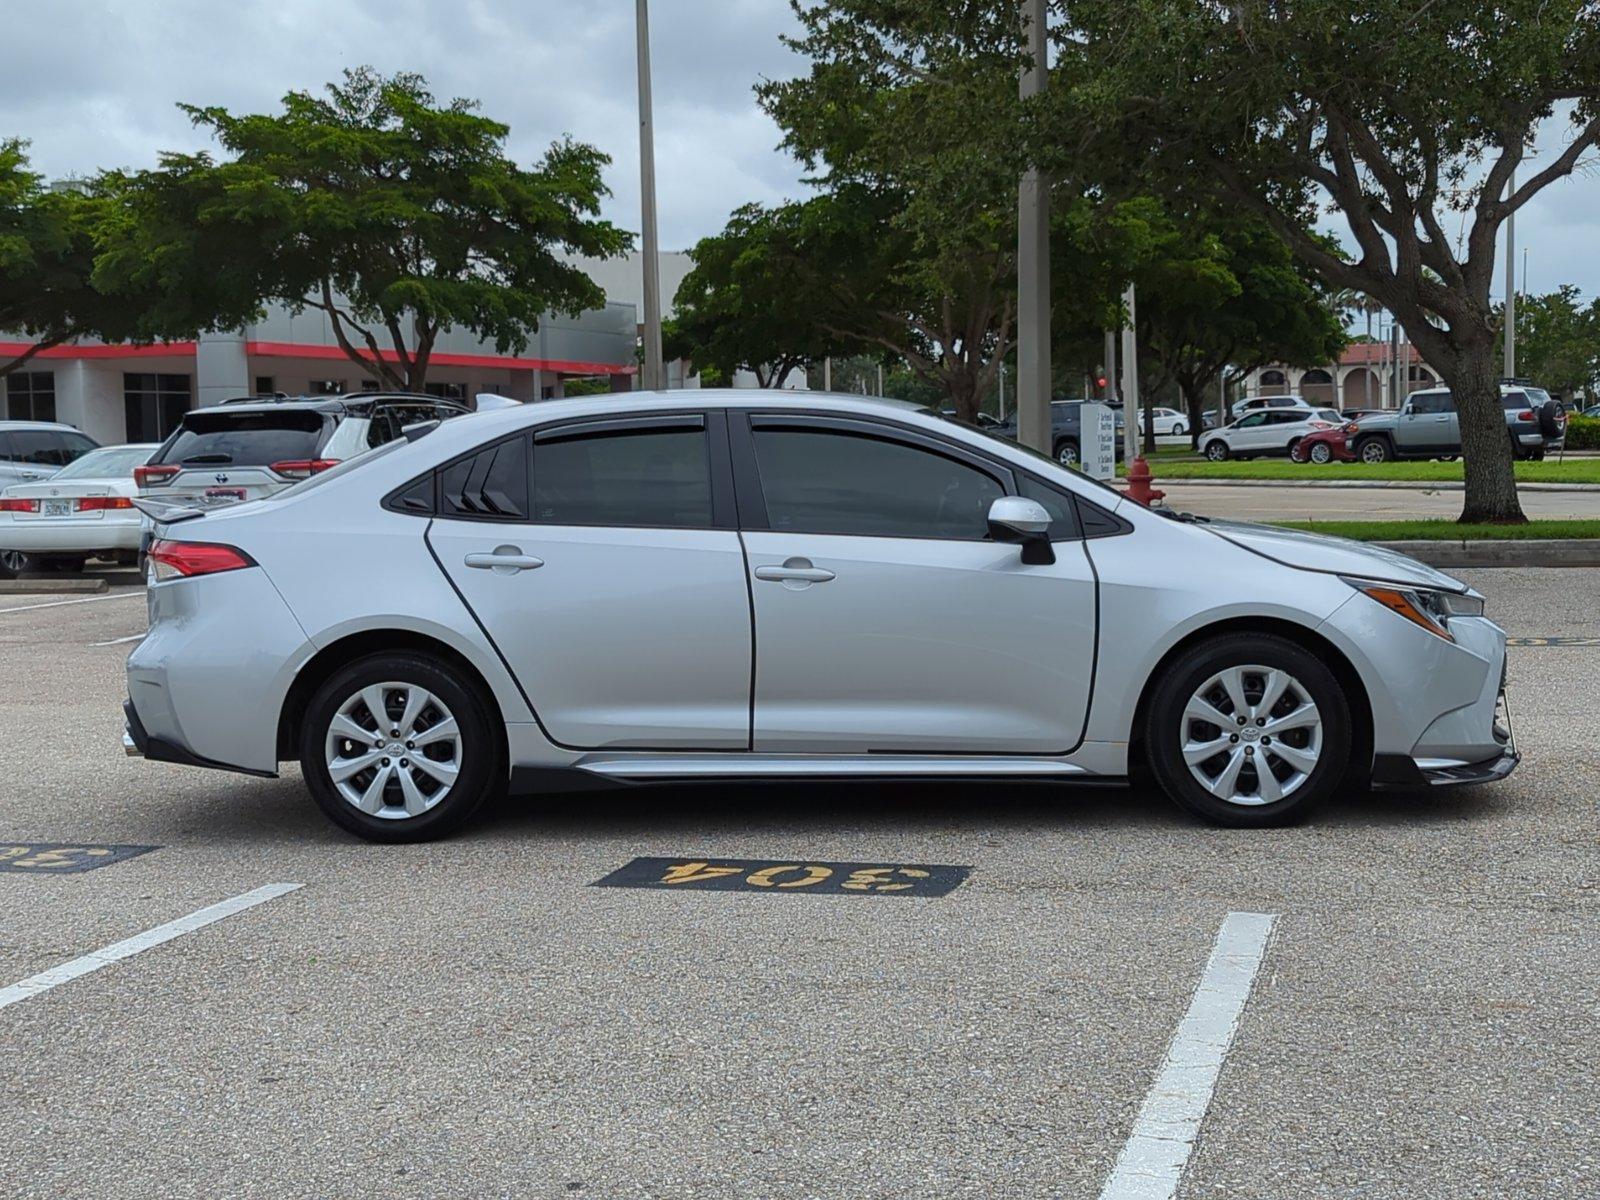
1017 519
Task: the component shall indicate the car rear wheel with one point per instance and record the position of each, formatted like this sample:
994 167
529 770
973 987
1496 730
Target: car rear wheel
1321 454
1294 451
1373 450
1248 730
399 748
1217 450
1067 452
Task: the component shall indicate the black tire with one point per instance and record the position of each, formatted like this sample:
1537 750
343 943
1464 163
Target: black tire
1536 455
16 563
1067 452
1294 444
1374 450
1217 450
482 771
1550 419
1165 728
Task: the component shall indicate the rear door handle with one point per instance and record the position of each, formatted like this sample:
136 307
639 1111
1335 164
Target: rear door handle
507 560
794 570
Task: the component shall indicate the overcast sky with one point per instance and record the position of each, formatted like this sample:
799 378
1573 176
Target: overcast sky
94 85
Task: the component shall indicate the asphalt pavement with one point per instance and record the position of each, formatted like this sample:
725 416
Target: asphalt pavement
472 1018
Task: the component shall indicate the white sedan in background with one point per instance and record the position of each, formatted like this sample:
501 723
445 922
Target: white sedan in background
1267 432
1169 422
83 511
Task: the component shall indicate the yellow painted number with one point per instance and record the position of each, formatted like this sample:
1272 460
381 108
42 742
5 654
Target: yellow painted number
768 876
63 856
696 872
880 879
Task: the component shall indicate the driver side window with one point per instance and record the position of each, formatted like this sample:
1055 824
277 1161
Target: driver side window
832 482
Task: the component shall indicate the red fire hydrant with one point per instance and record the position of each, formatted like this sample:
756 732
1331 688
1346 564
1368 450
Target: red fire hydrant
1139 483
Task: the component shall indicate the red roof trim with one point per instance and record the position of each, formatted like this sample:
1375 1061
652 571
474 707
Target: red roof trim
158 350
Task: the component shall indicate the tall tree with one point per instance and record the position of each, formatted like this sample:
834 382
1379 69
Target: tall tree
395 216
1413 119
741 307
916 148
47 260
1558 340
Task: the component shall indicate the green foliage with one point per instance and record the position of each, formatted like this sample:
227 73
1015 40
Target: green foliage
396 216
1411 118
1448 531
1583 433
1558 342
742 307
47 256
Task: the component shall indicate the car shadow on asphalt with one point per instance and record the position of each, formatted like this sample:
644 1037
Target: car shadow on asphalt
280 813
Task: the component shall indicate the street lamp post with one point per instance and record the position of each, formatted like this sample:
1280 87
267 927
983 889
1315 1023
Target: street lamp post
654 378
1033 259
1511 284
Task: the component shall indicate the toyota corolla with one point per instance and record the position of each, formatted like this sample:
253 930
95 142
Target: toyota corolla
726 584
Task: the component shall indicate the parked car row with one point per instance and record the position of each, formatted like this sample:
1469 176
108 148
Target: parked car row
1427 426
70 500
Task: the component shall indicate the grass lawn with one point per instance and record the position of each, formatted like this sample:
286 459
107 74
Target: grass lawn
1446 531
1574 470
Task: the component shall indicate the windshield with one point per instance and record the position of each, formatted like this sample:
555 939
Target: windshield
245 439
113 462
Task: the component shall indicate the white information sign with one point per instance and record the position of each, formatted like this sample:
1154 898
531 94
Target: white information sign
1098 452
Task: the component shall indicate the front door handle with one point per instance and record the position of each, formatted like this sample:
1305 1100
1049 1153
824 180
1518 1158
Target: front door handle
506 560
794 570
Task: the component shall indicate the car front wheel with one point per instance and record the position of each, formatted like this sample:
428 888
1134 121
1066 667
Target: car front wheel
1321 454
1248 730
399 748
1374 450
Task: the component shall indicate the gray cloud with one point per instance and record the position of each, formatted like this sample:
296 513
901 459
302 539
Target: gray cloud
98 83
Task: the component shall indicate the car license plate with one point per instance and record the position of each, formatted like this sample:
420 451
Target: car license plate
225 493
57 508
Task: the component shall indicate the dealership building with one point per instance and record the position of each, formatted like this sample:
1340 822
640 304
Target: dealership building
130 393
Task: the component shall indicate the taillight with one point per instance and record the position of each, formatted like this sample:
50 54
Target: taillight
101 503
1525 415
172 560
148 476
19 506
302 468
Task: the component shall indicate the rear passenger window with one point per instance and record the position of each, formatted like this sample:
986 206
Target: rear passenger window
492 484
647 478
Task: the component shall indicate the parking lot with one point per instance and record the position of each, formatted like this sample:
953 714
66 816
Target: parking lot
471 1018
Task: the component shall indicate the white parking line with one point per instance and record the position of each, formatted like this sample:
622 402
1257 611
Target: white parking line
132 637
59 603
139 942
1152 1160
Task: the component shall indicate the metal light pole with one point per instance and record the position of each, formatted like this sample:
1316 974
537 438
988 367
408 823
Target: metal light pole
1511 284
654 378
1138 469
1033 259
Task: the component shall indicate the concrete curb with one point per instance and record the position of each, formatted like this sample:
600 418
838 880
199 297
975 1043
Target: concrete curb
1402 484
1532 552
38 587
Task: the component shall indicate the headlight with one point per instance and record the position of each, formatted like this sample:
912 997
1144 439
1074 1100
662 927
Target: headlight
1427 607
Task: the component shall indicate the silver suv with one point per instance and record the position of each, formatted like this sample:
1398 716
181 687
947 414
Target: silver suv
1427 426
724 584
35 450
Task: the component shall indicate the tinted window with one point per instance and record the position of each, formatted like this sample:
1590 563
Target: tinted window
826 482
245 439
1058 503
1432 402
492 483
648 478
48 448
1253 420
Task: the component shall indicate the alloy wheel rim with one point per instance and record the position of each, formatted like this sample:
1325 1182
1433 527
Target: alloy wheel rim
1068 456
1320 453
393 750
13 560
1251 735
1372 454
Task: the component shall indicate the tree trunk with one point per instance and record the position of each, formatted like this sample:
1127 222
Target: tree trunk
961 386
1486 449
1194 402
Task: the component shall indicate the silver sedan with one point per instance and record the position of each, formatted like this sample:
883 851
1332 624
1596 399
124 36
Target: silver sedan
719 584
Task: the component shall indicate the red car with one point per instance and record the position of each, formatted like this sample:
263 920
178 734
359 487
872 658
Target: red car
1325 446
